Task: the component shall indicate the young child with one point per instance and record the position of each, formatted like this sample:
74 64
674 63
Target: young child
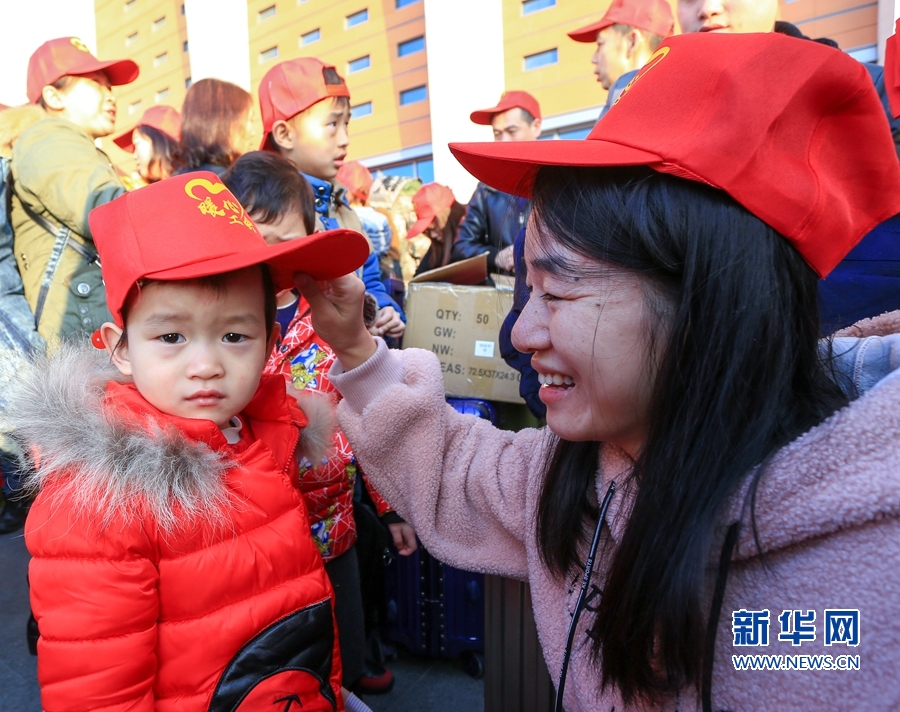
168 572
280 202
305 107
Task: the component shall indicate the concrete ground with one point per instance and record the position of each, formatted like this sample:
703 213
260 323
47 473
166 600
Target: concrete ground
422 684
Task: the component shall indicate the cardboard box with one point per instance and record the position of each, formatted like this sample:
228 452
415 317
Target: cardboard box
461 325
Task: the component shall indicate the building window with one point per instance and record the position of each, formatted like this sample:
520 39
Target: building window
404 3
129 5
416 44
184 46
162 94
356 65
131 39
529 6
187 83
134 107
268 54
182 8
414 95
357 18
311 36
361 110
266 13
159 23
541 59
160 59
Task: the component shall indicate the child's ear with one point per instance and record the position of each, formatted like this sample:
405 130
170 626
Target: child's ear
282 135
111 335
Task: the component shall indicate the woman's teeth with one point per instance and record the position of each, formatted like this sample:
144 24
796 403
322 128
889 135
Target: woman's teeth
555 379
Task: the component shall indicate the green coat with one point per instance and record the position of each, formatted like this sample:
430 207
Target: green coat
61 175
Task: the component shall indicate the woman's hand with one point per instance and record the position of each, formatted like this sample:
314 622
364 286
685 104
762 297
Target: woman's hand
337 316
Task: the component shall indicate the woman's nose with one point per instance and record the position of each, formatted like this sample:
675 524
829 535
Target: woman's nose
530 334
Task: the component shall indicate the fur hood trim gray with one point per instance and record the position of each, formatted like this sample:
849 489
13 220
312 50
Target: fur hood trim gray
108 468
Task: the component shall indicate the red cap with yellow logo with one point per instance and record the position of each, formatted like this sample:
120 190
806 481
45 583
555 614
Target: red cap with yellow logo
192 226
69 55
721 110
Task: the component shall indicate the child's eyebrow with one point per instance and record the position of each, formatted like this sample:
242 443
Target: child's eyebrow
247 318
164 318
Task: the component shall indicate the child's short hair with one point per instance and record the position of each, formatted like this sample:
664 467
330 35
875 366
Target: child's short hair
269 187
214 282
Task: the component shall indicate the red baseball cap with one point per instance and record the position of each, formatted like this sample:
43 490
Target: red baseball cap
161 117
722 110
892 71
508 100
69 55
293 86
654 16
192 226
357 179
428 201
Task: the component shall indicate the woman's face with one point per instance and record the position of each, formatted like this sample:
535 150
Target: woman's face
143 156
589 344
88 103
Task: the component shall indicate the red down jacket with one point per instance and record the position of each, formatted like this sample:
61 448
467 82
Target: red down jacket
173 571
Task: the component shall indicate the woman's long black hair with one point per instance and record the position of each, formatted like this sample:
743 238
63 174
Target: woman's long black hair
733 328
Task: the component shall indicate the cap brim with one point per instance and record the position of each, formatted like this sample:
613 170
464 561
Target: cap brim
125 141
589 33
324 255
484 116
119 71
510 166
418 227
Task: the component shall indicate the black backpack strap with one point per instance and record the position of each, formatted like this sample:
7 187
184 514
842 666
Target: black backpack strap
59 245
87 254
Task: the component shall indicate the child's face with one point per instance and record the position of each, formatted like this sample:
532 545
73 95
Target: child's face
289 226
317 139
193 350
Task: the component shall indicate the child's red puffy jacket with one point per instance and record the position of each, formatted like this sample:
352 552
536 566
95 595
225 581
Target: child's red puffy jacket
173 571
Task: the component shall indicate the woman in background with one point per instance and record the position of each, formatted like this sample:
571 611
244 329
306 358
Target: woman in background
154 142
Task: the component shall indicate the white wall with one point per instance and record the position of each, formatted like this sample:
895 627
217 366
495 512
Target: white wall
219 38
465 73
27 25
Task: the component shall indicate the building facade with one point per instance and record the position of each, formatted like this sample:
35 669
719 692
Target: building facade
396 73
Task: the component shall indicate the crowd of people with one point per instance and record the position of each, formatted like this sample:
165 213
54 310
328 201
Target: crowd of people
705 316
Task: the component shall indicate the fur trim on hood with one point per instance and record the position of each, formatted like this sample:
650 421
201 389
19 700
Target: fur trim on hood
100 462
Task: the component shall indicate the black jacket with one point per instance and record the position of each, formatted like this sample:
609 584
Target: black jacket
493 220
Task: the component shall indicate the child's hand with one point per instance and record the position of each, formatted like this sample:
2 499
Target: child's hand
404 538
388 323
337 316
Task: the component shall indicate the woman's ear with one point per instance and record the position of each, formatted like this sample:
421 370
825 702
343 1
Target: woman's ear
111 336
52 98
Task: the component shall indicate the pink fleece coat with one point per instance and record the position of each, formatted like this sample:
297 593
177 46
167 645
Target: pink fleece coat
827 515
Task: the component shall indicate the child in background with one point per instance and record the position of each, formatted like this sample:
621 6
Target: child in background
167 570
154 142
280 202
305 107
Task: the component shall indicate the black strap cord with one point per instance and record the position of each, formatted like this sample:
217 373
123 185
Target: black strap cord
715 610
88 255
579 603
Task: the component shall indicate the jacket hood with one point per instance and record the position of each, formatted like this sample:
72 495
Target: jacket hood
845 472
73 411
14 120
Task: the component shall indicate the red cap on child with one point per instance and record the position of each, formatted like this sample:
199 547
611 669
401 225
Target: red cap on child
69 55
161 117
722 110
357 179
428 201
508 100
192 226
293 86
654 16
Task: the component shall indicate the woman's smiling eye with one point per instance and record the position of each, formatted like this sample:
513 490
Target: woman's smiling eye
171 338
233 338
550 297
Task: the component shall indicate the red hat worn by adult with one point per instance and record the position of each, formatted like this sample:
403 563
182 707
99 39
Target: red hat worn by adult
654 16
293 86
892 71
508 100
161 117
192 226
69 55
722 110
428 201
356 178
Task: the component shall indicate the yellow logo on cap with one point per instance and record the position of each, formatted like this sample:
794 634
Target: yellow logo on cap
657 57
78 44
207 206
